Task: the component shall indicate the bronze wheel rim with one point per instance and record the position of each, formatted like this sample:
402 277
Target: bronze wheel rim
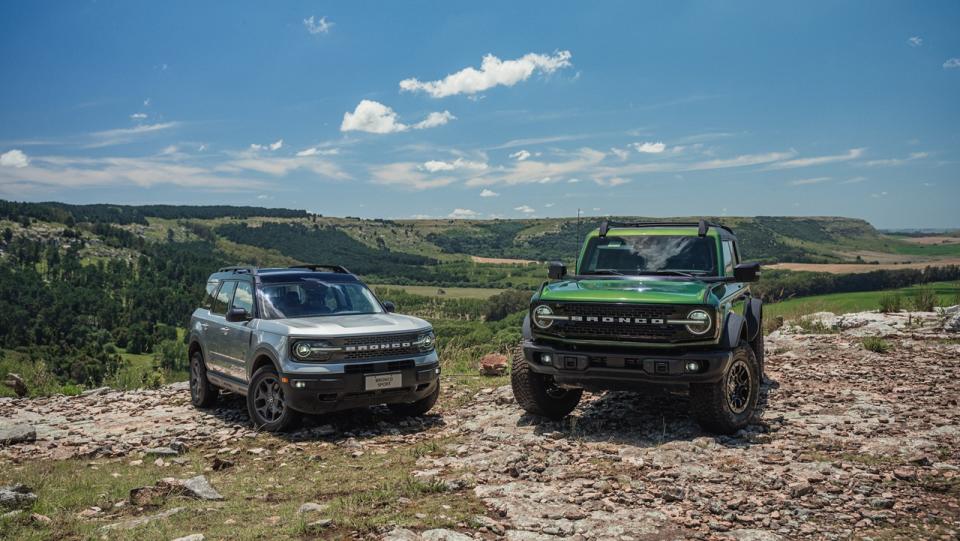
738 386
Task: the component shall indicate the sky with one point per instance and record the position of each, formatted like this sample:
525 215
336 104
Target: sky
488 110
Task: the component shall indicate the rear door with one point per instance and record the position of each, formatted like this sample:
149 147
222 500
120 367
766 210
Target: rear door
215 333
236 334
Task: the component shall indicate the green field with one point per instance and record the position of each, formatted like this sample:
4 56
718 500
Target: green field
842 303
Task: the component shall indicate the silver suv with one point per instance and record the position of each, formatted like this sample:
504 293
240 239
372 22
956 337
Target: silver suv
308 339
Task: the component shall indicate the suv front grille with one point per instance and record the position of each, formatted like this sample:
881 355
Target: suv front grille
372 347
619 322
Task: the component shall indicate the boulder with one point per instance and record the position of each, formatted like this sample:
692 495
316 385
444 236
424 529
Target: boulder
198 487
16 497
15 382
18 433
493 364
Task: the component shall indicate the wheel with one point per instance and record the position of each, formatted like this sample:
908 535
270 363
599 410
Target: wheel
418 408
538 394
266 402
728 405
758 350
202 393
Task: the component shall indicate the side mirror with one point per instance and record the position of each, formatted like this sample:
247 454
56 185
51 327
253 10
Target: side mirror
389 306
747 272
238 314
556 270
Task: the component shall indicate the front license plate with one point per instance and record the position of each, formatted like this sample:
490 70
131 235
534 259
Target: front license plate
379 382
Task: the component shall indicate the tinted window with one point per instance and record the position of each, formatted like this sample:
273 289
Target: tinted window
243 298
729 260
636 254
223 298
313 297
212 286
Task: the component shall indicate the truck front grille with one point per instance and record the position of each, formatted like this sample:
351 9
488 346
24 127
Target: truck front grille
620 322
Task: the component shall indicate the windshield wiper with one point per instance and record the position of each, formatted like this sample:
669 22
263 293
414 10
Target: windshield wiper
606 271
675 273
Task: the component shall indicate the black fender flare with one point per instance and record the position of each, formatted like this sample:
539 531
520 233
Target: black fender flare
262 352
734 328
526 331
754 317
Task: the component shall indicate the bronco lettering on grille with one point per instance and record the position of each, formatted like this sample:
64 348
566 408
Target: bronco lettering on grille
378 347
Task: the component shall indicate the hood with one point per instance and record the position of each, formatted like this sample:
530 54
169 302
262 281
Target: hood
634 290
346 325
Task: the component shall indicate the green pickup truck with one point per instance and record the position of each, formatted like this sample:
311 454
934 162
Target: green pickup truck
650 305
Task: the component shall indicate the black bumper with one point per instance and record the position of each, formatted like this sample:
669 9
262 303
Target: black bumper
323 393
625 369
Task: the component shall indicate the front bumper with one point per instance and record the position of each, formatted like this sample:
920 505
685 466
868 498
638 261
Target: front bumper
624 369
315 393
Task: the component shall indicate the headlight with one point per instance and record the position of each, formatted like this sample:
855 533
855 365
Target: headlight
426 342
541 316
703 322
313 350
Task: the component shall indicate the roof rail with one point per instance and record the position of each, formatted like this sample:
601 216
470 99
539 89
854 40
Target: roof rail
239 269
702 226
335 268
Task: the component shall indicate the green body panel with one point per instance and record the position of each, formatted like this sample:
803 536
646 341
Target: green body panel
637 290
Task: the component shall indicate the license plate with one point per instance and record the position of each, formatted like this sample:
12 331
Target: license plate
379 382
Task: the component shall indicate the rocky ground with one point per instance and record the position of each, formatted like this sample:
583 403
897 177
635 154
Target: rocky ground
849 443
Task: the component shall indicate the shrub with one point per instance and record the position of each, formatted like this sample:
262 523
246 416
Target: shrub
891 303
814 326
925 300
876 344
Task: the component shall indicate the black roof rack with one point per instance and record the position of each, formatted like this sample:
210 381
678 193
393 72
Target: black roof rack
335 268
701 225
239 269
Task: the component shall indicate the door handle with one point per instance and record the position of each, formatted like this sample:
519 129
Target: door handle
225 330
204 325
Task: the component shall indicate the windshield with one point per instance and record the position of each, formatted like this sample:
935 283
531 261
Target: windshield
650 254
312 298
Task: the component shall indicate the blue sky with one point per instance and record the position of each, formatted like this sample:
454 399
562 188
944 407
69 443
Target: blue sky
506 109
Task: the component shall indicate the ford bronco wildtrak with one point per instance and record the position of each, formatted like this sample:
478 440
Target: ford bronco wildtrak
659 304
307 339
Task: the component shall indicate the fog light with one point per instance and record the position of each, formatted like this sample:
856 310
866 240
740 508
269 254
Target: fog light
693 366
546 358
300 384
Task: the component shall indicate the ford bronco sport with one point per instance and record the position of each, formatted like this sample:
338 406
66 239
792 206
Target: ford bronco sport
307 339
649 305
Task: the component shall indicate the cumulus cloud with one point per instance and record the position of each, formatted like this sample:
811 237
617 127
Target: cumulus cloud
14 158
317 26
951 63
915 41
488 193
493 72
526 209
436 165
520 155
463 214
374 117
649 147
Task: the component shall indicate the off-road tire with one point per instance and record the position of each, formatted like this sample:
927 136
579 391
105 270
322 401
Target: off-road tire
759 351
537 394
271 416
203 394
418 408
716 406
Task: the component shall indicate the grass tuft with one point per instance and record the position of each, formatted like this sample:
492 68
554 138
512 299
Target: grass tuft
876 344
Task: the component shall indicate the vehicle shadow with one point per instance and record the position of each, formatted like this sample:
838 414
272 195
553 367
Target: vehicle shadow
647 419
360 423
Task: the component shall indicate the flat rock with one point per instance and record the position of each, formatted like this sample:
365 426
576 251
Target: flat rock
140 521
17 433
16 497
198 487
191 537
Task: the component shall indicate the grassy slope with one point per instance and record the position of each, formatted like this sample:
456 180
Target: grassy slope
841 303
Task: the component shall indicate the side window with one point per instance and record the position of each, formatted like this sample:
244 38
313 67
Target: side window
243 298
728 258
212 286
223 298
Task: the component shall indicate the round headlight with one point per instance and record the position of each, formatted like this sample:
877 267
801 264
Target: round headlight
312 350
702 325
303 350
541 316
426 342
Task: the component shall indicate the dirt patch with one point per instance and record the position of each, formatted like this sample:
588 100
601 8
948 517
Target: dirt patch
501 260
926 241
846 268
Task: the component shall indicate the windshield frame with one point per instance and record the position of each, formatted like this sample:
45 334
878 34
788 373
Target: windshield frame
593 241
378 304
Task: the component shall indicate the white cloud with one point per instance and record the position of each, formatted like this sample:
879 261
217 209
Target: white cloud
202 147
463 214
620 153
374 117
806 181
649 147
14 158
573 181
281 166
276 145
488 193
138 116
317 151
520 155
493 72
893 162
854 180
436 165
146 102
125 135
878 195
526 209
317 26
610 182
915 41
951 63
532 171
407 175
549 205
851 154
